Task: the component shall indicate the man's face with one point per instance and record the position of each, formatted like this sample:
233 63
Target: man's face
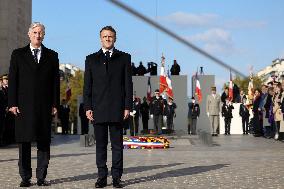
242 92
36 36
5 81
107 39
213 91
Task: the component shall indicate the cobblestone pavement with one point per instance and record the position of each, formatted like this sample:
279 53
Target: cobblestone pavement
232 162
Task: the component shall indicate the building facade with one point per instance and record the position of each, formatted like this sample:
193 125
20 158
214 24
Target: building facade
15 18
275 71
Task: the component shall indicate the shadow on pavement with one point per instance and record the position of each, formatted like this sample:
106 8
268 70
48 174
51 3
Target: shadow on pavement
175 173
126 170
52 156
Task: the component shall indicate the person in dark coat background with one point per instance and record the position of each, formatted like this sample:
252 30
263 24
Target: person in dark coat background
157 111
33 97
63 115
107 95
134 116
193 114
2 113
227 114
256 114
84 120
9 121
170 113
244 113
144 110
175 69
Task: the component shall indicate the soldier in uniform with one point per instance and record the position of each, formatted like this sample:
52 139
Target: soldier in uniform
170 113
156 111
9 121
193 114
144 110
227 114
63 115
134 116
213 109
2 113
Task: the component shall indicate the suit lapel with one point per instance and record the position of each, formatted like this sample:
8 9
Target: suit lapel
43 56
29 57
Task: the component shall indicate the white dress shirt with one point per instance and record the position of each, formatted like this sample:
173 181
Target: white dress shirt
110 51
38 54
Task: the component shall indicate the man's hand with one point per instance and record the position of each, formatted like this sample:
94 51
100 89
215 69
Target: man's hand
151 116
89 115
54 111
15 110
126 114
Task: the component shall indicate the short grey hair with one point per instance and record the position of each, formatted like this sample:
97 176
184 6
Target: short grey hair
37 24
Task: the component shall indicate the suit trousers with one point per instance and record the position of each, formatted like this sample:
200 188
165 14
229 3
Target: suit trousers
116 139
43 157
158 121
193 126
214 121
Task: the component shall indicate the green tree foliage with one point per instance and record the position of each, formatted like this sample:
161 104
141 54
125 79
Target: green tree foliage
243 83
76 84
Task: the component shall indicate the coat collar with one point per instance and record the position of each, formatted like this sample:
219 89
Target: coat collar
30 59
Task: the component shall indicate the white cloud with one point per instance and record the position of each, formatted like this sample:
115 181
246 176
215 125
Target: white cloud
183 19
215 40
188 20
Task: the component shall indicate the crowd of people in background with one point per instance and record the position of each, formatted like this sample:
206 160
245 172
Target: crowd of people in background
261 111
158 108
141 70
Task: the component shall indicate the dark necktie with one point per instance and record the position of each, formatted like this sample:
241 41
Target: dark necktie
35 55
107 53
107 56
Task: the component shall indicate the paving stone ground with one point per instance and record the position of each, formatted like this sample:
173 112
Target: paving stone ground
232 162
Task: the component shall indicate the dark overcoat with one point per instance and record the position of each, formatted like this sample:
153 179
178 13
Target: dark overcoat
108 86
34 88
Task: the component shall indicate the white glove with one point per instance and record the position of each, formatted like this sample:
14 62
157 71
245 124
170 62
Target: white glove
134 112
165 118
151 116
208 114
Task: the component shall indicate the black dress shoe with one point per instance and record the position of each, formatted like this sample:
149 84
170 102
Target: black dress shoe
25 183
116 183
101 182
42 183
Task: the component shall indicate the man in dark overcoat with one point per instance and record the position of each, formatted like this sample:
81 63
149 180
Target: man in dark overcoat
33 97
108 101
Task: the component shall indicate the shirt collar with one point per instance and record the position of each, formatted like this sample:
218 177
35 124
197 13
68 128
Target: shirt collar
110 50
32 48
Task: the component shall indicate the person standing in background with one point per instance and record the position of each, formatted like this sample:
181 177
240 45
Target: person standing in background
213 105
244 113
193 114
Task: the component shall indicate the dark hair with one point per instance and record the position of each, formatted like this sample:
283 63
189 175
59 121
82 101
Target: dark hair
110 28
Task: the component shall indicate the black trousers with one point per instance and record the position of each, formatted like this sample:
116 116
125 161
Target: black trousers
227 125
245 121
131 124
145 123
158 121
43 156
116 139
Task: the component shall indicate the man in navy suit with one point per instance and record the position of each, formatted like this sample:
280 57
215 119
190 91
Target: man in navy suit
108 101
